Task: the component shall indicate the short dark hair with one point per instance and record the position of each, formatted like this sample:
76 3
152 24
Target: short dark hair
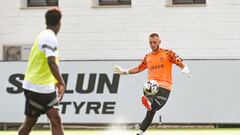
53 16
154 35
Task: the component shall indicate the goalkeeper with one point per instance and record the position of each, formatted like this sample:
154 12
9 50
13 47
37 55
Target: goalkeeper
159 64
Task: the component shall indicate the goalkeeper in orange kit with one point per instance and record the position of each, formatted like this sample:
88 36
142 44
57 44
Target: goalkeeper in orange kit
159 64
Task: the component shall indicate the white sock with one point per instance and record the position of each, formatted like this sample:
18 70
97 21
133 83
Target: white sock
140 132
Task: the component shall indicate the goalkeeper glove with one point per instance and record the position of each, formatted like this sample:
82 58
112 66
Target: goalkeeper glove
186 70
119 70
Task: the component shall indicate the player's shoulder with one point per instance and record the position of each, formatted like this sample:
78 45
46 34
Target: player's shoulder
147 55
168 51
48 35
46 40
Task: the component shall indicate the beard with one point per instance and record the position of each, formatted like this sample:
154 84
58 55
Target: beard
156 49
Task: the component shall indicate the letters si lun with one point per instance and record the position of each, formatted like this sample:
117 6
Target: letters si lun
103 80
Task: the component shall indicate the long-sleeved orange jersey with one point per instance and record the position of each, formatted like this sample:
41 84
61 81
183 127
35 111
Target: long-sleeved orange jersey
159 66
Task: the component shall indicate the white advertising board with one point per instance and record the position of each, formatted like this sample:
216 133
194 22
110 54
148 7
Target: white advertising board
95 95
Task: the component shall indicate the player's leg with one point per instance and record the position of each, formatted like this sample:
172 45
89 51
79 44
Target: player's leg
155 104
52 114
31 112
147 121
147 102
56 124
26 127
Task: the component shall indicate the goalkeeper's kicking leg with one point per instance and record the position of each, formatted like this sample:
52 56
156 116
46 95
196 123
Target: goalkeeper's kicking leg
152 104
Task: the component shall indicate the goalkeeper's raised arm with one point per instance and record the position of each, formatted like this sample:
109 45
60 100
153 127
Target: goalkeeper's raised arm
175 59
119 70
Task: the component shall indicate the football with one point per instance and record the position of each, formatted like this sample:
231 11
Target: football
150 87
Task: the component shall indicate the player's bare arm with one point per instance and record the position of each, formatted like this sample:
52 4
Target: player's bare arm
55 71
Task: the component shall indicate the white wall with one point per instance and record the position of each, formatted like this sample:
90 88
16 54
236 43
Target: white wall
208 31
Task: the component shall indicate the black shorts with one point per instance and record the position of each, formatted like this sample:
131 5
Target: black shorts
159 100
39 103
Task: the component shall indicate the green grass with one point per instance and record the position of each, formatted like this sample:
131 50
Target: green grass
228 131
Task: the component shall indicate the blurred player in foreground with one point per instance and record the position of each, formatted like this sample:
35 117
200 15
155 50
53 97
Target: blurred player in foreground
159 64
42 77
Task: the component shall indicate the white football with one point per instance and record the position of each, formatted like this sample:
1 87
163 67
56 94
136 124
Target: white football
150 87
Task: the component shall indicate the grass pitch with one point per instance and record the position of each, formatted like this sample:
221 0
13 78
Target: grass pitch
228 131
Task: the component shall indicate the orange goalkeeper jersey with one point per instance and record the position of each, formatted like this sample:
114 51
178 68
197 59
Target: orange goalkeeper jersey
159 66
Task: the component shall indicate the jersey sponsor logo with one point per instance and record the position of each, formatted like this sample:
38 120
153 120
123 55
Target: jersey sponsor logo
156 67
